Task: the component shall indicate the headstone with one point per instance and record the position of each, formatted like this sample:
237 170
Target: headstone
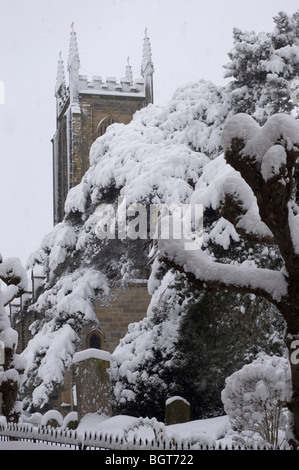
177 410
92 381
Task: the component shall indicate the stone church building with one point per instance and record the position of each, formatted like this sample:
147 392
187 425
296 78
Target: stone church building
84 110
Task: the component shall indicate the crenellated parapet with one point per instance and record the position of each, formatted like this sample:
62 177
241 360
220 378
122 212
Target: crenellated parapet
85 108
80 84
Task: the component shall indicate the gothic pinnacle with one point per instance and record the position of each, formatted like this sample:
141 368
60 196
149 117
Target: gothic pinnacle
60 80
147 64
73 51
129 74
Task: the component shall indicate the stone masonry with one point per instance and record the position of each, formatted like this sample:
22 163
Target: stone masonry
129 305
92 382
84 110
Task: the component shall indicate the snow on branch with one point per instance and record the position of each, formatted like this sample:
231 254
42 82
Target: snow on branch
221 187
14 276
253 192
279 129
239 207
203 272
265 157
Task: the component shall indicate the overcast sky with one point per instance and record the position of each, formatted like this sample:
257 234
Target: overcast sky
190 40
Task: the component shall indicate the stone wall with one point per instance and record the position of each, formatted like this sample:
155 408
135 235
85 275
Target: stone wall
21 323
96 107
128 306
84 130
92 381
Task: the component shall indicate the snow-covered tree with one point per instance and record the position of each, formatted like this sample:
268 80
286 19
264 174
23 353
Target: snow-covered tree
67 307
254 192
216 337
14 276
141 370
187 345
262 65
255 399
170 155
156 159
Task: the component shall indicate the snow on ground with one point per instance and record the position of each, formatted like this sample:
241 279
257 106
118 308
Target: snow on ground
208 431
205 430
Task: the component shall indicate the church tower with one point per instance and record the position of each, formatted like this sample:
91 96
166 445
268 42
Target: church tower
84 110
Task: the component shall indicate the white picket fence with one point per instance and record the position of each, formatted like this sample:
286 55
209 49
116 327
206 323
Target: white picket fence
70 438
100 441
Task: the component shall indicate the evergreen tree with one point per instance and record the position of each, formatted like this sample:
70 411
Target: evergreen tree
14 276
194 339
216 337
155 159
214 333
161 158
262 66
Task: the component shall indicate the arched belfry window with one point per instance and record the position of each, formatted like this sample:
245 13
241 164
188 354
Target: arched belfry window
95 339
103 124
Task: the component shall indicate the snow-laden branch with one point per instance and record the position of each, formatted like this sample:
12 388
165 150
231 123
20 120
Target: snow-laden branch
12 272
265 157
203 272
258 140
239 206
294 228
14 276
65 308
10 293
252 192
222 188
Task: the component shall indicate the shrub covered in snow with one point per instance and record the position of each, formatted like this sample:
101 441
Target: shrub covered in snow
52 418
71 420
255 398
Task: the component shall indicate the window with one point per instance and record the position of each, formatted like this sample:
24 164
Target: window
103 124
95 339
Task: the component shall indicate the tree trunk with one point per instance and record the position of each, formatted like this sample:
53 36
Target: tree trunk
292 343
9 389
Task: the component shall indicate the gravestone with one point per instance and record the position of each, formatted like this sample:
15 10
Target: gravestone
177 410
92 381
